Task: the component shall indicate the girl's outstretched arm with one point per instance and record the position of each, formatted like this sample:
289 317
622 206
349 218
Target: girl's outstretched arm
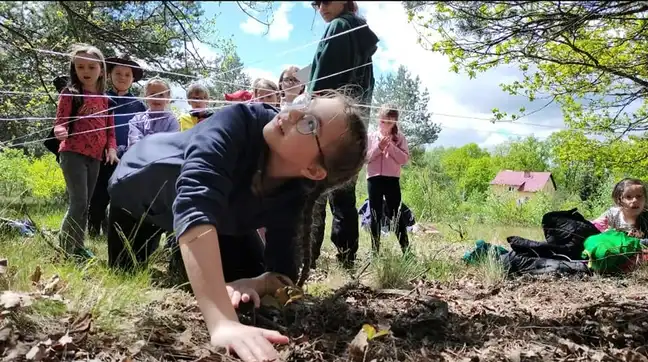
201 255
203 187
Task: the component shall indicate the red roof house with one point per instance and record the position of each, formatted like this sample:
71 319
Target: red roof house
524 181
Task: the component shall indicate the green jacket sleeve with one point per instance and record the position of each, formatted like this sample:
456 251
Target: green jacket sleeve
333 56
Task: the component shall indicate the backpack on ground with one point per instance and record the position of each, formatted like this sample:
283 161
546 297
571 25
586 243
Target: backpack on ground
52 143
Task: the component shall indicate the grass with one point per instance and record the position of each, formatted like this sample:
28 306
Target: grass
132 309
114 298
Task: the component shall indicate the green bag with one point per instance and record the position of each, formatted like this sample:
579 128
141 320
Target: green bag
610 250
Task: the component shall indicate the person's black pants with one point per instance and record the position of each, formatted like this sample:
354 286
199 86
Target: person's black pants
344 228
386 187
100 200
241 256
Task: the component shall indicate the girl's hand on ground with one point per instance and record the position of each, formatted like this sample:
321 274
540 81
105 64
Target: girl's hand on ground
60 132
251 344
111 156
244 290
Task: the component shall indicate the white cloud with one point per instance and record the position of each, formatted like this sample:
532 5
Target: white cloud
254 73
251 26
450 94
205 51
280 28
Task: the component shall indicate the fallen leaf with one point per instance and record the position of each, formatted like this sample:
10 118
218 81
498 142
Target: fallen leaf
358 346
372 333
37 353
288 294
65 343
20 350
185 337
10 300
36 275
5 334
83 323
52 285
136 348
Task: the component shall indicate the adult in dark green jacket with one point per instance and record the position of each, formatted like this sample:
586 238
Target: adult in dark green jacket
331 70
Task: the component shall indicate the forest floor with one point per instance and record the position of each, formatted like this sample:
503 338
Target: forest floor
431 308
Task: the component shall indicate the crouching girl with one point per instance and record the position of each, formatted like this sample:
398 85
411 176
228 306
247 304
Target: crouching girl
246 167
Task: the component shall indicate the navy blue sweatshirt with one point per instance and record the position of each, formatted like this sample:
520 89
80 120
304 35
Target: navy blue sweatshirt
123 114
204 176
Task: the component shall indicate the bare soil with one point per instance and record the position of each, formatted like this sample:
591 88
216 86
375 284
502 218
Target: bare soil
526 319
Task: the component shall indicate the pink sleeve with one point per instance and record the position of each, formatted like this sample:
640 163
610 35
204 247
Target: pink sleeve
63 110
373 150
601 223
399 152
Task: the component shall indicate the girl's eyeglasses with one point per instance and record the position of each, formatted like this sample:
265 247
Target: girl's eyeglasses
291 80
316 4
308 124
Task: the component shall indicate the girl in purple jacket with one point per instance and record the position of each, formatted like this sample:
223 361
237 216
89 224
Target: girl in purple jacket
387 153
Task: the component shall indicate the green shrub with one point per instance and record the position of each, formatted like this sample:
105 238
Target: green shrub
14 173
24 177
46 180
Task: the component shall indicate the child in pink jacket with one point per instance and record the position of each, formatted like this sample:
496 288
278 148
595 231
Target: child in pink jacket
387 153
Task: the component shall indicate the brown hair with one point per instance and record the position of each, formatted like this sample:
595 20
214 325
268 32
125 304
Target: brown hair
196 89
281 77
343 163
264 84
351 6
159 81
75 83
620 187
390 111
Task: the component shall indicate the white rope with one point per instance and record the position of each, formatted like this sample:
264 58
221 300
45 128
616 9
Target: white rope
212 101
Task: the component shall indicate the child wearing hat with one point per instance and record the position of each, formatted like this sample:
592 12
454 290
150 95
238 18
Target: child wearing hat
122 72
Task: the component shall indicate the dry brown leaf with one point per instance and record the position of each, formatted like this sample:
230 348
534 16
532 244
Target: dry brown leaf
52 285
358 346
632 356
65 343
10 299
36 353
185 337
36 275
136 348
82 324
5 334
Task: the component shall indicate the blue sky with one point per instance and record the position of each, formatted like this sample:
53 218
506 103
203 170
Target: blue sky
461 106
294 25
258 51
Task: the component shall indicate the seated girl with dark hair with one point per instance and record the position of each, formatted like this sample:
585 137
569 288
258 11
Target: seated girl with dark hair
245 167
